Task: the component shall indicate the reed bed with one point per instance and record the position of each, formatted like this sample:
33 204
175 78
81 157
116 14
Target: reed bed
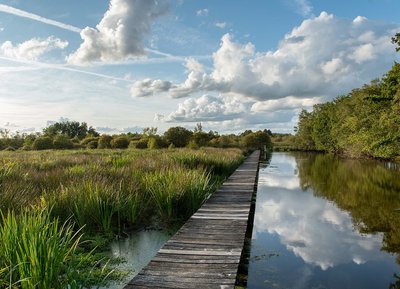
102 192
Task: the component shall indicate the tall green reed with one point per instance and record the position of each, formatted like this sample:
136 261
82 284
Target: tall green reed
176 192
36 250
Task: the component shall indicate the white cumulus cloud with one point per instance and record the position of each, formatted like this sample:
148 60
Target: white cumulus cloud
31 49
324 56
120 34
206 108
285 103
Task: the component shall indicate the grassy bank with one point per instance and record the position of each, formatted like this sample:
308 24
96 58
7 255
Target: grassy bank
102 192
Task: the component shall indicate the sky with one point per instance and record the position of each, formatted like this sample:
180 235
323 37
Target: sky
123 65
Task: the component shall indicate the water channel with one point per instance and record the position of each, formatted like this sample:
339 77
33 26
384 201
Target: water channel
320 222
325 222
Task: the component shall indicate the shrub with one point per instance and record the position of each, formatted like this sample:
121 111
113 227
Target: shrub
89 139
62 142
193 145
92 144
179 136
42 143
120 142
142 143
104 142
155 142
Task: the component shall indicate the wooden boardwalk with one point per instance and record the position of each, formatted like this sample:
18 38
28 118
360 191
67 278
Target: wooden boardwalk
205 252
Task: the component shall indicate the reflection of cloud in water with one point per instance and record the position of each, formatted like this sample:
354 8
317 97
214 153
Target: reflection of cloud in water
313 229
280 173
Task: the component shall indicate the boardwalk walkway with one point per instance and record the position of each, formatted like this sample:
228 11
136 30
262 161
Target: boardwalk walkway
205 253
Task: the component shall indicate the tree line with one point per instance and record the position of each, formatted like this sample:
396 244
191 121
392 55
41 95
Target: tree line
363 123
76 135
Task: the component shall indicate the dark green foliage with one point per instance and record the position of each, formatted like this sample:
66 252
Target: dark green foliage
105 142
155 142
396 40
11 140
89 140
92 144
178 135
366 122
62 142
140 144
257 140
71 129
120 142
225 141
42 143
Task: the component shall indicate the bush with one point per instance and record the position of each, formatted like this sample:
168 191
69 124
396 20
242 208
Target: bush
62 142
93 144
42 143
120 142
156 142
192 145
104 142
256 140
89 139
142 143
179 136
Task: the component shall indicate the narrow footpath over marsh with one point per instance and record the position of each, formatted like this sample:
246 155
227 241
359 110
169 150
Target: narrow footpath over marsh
206 251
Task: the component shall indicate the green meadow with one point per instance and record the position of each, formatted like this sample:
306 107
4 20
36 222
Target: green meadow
57 207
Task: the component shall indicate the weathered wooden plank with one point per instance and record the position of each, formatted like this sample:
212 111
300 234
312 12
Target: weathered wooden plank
179 266
206 251
195 273
150 278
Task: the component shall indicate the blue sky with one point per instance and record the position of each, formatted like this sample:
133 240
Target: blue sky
123 65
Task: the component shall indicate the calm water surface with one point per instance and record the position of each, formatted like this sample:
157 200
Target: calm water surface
324 222
137 250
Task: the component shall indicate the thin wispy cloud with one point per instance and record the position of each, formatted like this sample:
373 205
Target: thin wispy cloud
25 14
202 12
221 25
304 8
41 65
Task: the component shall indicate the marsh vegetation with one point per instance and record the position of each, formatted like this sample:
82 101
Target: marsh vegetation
55 204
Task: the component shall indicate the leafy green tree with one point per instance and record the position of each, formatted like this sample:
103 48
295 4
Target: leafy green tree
257 140
179 136
323 123
71 129
150 131
304 131
396 40
391 82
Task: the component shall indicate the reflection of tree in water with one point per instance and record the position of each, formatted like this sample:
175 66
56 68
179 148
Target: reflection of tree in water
366 189
395 285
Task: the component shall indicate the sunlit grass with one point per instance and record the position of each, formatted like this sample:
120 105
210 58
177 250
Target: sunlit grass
105 192
36 250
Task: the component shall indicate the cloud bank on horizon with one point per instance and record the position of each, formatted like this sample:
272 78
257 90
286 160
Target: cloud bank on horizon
238 87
